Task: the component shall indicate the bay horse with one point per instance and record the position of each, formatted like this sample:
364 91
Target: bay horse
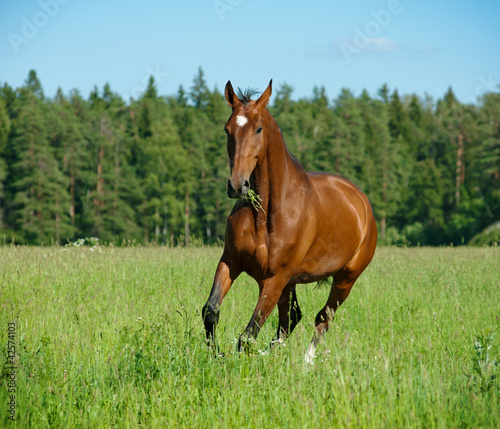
309 226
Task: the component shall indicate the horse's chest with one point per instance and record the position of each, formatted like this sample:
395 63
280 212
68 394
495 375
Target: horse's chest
247 243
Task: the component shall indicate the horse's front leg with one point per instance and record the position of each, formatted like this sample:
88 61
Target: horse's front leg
270 292
289 312
224 278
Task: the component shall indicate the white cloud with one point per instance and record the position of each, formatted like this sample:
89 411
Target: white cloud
362 45
382 44
359 46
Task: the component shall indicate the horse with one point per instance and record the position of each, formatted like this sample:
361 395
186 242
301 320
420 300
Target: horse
309 226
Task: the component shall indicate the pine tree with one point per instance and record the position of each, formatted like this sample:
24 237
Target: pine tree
426 218
325 126
199 91
213 201
39 197
71 148
113 187
320 100
349 137
33 85
10 98
148 100
181 98
283 102
151 92
162 164
488 181
456 121
383 92
398 119
4 135
382 170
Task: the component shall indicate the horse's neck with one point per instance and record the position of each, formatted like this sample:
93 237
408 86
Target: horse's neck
274 174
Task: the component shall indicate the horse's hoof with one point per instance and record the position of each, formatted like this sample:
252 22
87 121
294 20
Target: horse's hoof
245 343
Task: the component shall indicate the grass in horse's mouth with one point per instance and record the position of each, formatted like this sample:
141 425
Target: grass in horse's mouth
255 200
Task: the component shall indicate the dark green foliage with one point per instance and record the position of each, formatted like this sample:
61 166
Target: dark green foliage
35 182
154 169
4 136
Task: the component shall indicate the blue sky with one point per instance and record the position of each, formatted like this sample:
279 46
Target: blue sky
416 46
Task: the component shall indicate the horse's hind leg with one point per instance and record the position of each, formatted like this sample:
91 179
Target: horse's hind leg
289 312
343 282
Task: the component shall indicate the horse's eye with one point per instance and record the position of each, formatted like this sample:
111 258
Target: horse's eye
258 130
226 131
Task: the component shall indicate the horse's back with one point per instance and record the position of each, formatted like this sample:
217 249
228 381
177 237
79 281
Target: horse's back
345 224
341 197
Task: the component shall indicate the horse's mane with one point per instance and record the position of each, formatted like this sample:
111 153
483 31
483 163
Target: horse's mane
246 95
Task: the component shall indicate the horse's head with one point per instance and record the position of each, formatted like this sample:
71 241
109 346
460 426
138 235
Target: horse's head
246 132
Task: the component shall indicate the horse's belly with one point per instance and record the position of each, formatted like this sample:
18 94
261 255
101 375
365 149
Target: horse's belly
323 260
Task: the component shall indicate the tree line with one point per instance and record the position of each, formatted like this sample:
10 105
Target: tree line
153 169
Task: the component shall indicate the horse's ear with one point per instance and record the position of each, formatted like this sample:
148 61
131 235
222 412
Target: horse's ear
231 98
266 95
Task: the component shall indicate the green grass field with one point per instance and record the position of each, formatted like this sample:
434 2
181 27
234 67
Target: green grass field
113 337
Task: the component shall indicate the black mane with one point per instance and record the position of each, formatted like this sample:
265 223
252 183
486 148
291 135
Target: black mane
246 95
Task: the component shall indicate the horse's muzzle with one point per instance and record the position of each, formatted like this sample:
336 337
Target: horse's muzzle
237 191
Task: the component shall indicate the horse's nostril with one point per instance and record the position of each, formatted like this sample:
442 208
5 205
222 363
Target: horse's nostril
246 185
230 189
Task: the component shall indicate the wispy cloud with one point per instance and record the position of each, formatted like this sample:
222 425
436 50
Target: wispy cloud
339 47
382 44
351 48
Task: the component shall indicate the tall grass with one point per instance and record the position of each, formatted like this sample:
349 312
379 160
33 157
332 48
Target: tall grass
113 337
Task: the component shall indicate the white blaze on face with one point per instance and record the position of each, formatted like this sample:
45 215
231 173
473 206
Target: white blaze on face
241 120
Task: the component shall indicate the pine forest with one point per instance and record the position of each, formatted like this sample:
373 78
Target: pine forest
154 169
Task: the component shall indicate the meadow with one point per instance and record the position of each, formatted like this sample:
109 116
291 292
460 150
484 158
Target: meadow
113 337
